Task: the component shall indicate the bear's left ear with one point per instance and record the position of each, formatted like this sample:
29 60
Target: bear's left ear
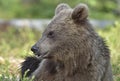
80 12
61 7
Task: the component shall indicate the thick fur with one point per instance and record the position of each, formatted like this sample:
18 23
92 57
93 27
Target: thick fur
78 52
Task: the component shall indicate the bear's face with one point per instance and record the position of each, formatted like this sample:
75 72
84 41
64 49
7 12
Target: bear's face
62 32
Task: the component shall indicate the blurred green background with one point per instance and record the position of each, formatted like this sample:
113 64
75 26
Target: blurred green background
15 43
99 9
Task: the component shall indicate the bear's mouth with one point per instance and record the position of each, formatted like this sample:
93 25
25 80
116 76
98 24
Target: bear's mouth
45 55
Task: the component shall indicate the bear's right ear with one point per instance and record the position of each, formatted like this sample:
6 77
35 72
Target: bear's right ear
61 7
80 13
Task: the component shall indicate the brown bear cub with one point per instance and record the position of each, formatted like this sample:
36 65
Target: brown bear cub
69 50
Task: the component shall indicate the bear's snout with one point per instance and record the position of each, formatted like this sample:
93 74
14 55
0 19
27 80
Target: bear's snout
37 52
34 49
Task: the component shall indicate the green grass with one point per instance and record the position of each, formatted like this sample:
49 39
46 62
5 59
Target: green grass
15 44
112 36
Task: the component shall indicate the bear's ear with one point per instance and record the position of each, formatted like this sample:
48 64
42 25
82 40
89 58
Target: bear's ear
80 12
61 7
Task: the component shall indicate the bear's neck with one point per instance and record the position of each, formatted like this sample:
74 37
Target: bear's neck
71 68
80 62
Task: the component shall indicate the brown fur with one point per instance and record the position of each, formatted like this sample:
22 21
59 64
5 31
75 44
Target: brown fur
78 53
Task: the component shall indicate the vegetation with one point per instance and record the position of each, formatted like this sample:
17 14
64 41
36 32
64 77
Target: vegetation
100 9
16 43
112 36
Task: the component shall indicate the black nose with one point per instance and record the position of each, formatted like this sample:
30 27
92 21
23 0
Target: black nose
34 49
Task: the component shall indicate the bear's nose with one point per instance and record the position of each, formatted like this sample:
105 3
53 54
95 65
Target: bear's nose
34 49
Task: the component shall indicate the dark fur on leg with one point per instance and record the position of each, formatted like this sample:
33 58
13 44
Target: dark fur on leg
30 64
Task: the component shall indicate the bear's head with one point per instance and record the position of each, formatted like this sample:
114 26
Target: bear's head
66 37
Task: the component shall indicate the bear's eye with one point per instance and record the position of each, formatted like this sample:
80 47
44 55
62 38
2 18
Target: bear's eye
50 34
